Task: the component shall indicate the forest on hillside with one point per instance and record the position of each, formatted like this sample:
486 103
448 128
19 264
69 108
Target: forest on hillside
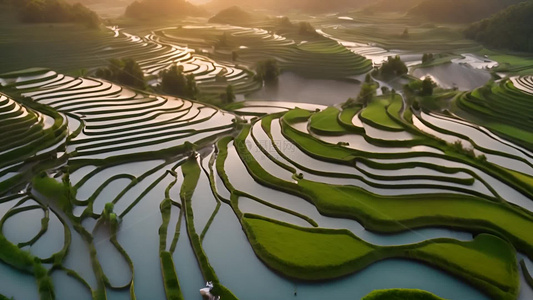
511 29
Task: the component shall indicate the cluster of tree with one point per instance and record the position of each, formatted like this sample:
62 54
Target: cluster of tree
233 16
305 28
124 71
511 29
458 147
309 6
267 71
302 28
367 93
285 22
175 82
228 96
421 87
55 11
459 11
427 58
391 68
155 9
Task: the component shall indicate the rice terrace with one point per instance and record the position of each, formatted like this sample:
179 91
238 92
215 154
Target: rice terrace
266 150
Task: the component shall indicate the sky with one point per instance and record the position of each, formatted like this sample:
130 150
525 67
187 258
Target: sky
199 1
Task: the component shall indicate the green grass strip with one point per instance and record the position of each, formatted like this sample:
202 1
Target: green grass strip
401 294
170 279
191 173
375 114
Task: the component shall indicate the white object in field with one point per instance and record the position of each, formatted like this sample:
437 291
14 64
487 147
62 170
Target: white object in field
206 292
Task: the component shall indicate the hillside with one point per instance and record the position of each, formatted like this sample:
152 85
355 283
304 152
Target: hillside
459 11
150 9
233 16
54 11
509 29
310 6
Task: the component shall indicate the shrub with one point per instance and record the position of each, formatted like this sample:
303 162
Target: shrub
175 82
267 71
392 67
228 96
124 71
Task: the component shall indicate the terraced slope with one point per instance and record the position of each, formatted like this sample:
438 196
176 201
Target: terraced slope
29 134
155 53
330 60
152 185
118 138
505 108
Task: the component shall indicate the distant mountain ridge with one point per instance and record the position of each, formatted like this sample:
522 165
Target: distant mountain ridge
150 9
233 16
309 6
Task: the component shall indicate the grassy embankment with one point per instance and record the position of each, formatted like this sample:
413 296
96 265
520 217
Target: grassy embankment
500 107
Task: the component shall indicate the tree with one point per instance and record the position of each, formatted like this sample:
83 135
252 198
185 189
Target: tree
267 71
124 71
393 67
223 40
234 55
366 94
351 102
422 87
175 82
427 87
427 57
285 22
405 34
368 78
305 28
228 96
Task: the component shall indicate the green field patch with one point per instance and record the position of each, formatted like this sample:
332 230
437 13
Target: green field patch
401 294
305 253
375 114
326 122
346 116
488 262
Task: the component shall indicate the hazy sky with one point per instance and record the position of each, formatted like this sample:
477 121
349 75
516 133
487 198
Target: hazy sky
199 1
